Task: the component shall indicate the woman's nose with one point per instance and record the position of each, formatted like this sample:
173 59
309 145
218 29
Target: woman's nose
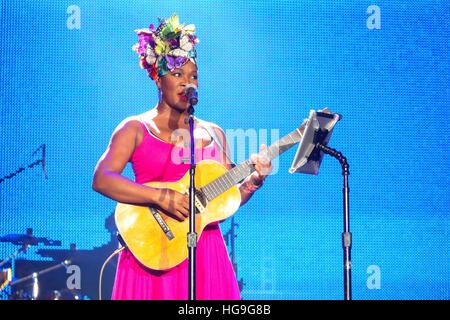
187 81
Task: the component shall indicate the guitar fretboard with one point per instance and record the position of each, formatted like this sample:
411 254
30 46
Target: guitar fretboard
243 170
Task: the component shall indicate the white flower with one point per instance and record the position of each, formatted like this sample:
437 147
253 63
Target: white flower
185 43
150 55
190 28
139 31
178 53
135 48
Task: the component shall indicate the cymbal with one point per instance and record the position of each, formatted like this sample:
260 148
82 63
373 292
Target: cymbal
26 239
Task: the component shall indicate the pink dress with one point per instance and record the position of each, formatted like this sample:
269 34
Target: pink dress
157 160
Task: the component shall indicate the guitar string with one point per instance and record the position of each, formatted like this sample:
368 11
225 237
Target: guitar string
223 183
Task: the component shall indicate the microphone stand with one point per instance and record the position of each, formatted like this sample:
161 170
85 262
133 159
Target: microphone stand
346 235
229 237
35 276
192 235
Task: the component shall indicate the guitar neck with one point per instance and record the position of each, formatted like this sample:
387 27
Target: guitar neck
243 170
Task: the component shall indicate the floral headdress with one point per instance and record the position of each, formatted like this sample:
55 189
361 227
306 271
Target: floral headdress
168 47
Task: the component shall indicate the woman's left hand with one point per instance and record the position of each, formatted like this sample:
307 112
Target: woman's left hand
263 165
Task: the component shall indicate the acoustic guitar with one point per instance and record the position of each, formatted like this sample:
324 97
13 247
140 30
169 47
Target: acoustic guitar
158 241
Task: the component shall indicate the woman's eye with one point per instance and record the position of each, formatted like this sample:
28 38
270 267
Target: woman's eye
176 74
195 77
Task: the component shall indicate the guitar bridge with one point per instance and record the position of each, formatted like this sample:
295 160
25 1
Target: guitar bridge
165 228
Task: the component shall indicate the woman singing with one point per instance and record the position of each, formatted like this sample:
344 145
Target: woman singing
148 142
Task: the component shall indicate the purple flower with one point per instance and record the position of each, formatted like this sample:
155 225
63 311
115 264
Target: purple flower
175 62
145 39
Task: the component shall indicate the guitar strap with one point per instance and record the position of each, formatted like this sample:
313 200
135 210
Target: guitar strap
215 137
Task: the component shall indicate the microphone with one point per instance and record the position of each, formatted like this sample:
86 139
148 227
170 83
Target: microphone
191 93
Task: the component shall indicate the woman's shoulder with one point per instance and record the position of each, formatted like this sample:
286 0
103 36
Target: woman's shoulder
129 125
130 122
129 131
208 125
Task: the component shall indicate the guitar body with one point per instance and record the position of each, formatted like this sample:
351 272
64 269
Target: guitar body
144 235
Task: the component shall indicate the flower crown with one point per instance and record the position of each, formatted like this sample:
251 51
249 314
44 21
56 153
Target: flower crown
168 47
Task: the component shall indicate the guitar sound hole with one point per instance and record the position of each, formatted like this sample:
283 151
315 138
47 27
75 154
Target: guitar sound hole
200 197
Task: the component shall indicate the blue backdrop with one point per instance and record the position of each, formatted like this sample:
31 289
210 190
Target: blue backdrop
69 76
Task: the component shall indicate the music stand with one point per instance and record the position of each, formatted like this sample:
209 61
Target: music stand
319 128
308 158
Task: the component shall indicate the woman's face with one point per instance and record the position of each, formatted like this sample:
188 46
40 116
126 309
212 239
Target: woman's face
173 83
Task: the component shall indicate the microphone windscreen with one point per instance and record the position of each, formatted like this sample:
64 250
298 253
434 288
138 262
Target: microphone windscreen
190 89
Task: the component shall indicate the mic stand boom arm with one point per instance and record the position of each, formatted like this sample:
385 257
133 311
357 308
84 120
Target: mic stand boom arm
346 235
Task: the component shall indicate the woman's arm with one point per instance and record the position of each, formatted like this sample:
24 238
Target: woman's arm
109 181
107 175
248 187
253 182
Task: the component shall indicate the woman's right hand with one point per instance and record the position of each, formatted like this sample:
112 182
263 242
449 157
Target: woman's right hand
174 203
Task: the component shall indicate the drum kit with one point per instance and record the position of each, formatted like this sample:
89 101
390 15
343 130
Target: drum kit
22 279
50 278
33 280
